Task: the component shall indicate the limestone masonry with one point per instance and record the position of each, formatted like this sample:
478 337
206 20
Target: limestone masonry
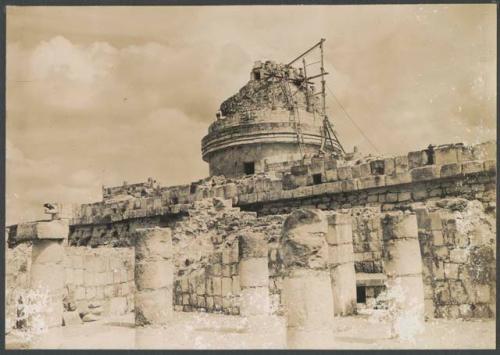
278 228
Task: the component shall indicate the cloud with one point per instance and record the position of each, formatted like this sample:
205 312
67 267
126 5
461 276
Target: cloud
102 95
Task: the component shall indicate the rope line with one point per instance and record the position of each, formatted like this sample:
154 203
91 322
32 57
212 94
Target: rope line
350 118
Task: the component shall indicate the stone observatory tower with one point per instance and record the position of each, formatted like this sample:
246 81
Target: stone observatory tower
277 116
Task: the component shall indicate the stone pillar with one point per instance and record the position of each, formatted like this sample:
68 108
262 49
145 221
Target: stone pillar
403 261
47 268
341 263
307 291
254 274
153 276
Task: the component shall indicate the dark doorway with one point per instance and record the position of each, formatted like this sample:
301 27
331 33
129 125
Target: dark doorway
249 168
316 179
361 294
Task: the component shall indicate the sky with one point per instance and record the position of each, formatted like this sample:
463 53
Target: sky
101 95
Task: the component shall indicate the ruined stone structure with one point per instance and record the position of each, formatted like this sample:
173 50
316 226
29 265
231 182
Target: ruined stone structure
310 238
258 126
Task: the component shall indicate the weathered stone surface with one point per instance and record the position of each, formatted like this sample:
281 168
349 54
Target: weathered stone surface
424 173
252 245
71 318
153 307
56 229
254 272
89 317
417 159
153 274
308 297
451 169
398 225
153 243
304 239
471 167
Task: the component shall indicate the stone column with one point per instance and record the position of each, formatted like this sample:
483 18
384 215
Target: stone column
341 263
254 274
403 262
47 268
307 291
153 276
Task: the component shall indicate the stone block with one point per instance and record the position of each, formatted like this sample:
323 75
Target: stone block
333 187
452 169
350 185
356 171
89 278
226 270
99 292
153 243
101 278
76 261
90 293
471 167
449 154
95 263
417 159
485 151
344 173
252 245
299 170
391 197
153 307
424 173
441 293
483 293
56 229
490 166
226 286
364 170
108 291
319 189
372 182
458 295
71 318
404 196
401 164
254 301
437 238
459 256
153 274
80 293
331 175
254 272
398 178
235 284
441 252
465 311
389 166
216 283
451 271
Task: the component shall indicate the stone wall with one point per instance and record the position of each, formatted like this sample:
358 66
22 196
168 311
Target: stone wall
451 170
17 279
99 278
206 254
367 240
458 245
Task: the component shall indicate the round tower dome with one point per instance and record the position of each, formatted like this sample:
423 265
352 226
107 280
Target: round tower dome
274 118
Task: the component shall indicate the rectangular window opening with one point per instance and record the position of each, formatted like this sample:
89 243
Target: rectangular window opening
249 168
361 294
316 179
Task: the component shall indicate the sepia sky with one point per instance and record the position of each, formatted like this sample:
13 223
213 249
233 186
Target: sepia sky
102 95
